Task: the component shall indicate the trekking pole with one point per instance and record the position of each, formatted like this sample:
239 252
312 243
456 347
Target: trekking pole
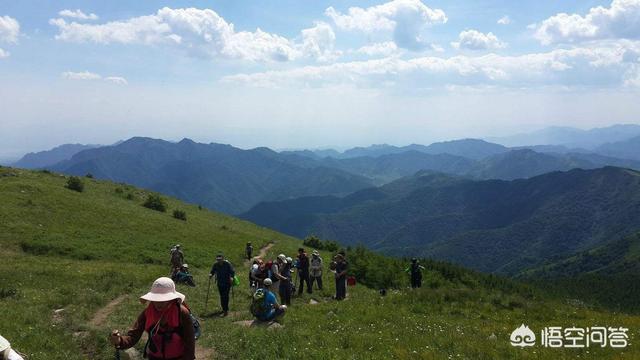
117 354
207 300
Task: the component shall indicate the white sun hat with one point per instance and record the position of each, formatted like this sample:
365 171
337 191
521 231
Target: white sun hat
4 344
163 289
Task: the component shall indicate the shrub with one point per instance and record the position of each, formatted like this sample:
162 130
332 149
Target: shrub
74 183
180 215
155 202
129 196
89 176
119 190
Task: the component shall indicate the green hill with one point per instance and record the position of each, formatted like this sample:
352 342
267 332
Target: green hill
75 252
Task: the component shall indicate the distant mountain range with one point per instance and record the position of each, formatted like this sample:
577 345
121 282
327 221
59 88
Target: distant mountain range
51 157
220 177
494 226
468 148
571 137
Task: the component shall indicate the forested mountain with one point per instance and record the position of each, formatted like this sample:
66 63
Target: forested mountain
220 177
495 226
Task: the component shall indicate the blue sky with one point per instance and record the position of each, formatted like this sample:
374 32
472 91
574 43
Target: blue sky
291 74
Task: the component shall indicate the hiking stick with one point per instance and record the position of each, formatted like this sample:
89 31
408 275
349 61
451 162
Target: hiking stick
117 354
207 300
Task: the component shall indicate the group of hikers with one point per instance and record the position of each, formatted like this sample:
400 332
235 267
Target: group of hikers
171 327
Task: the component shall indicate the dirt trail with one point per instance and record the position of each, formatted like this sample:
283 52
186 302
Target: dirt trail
262 253
102 314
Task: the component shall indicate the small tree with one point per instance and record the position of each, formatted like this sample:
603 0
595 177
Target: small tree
89 176
74 183
155 202
180 215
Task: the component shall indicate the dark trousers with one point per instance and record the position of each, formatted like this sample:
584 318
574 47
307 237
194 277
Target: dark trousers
304 277
341 288
416 281
285 292
317 279
224 296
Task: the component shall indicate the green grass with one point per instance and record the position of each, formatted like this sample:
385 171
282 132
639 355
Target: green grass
77 251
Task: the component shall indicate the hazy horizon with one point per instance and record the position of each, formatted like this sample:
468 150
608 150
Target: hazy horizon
322 74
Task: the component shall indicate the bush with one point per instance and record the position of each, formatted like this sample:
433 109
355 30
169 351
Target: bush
314 242
180 215
74 183
155 202
89 176
129 196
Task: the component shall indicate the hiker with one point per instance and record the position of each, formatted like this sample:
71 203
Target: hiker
415 270
224 273
6 352
184 276
177 257
303 271
264 305
316 269
259 273
168 322
249 250
284 277
341 267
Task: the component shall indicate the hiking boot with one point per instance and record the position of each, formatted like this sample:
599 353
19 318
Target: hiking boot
224 314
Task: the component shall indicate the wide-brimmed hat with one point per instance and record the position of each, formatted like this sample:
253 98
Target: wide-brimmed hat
4 344
282 258
267 282
163 289
315 252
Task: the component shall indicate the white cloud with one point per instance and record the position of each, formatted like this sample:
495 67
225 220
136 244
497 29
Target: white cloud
86 75
379 49
9 29
203 33
404 18
78 14
619 21
475 40
318 42
4 54
116 80
505 20
564 67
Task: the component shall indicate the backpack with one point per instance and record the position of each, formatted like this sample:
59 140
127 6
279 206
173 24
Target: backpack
257 307
270 273
179 330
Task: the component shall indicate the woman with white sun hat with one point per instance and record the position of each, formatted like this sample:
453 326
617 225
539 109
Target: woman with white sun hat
167 321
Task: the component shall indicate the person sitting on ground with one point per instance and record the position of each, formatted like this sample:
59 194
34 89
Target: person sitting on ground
316 269
167 321
6 352
184 276
264 305
249 250
284 277
415 270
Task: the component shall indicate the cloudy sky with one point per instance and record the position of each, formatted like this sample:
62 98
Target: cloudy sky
291 74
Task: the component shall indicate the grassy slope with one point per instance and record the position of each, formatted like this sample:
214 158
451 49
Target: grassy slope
77 251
